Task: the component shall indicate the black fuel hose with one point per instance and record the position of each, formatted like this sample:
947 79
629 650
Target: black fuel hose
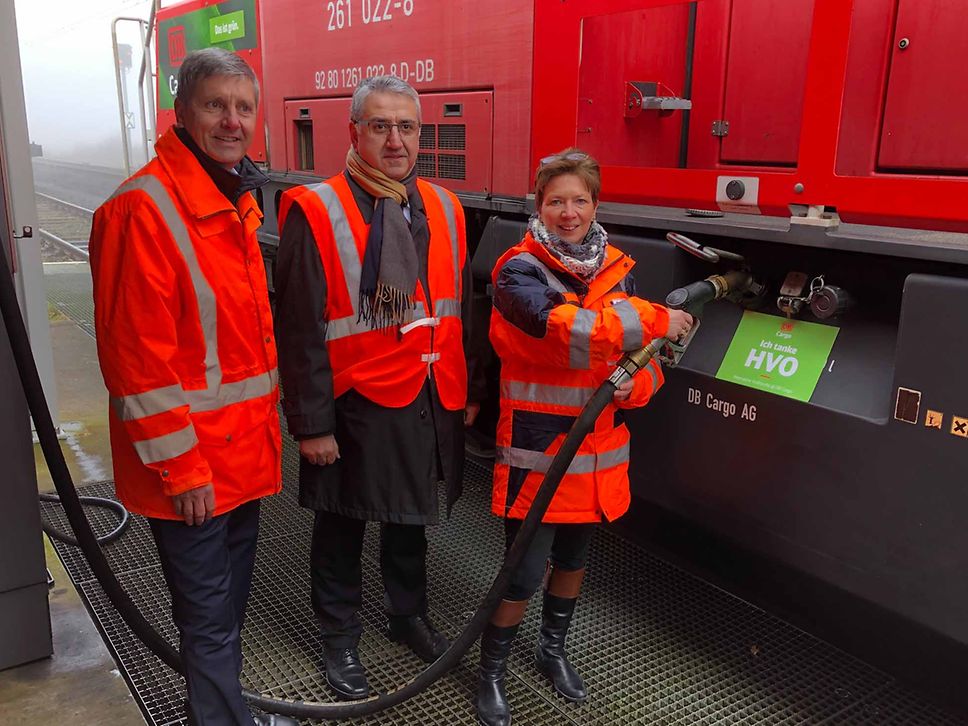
46 434
124 518
472 631
160 647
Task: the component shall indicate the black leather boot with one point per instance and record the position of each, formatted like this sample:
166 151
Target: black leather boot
492 699
345 674
550 656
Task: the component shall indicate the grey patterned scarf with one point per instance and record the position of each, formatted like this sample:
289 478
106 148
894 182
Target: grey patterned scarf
584 259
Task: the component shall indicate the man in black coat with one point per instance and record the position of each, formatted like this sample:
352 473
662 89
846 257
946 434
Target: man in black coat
361 461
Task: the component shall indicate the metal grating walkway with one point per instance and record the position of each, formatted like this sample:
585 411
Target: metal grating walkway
655 644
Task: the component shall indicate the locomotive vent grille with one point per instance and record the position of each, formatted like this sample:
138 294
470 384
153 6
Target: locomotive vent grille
428 136
452 166
437 144
452 137
426 165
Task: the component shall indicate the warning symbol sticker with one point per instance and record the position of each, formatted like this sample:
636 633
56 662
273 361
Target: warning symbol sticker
959 426
933 419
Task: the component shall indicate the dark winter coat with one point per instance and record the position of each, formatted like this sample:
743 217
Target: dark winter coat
391 460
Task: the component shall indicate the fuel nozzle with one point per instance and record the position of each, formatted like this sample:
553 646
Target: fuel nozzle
736 285
695 295
690 298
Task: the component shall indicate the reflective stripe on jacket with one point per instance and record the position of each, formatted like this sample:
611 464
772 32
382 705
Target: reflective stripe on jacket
558 340
388 367
184 336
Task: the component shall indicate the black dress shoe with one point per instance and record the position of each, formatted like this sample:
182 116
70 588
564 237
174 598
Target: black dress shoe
274 719
345 674
420 635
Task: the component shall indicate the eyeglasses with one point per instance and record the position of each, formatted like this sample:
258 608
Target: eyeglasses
573 156
382 127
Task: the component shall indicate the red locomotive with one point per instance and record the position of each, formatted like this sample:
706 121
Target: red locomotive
821 139
824 104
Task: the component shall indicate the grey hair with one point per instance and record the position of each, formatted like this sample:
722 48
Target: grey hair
381 84
201 64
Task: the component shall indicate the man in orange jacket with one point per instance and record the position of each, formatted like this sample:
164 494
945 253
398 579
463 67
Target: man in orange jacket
372 291
185 342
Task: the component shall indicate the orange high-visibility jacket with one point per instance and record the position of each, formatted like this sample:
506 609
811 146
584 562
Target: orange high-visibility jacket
558 340
184 337
387 367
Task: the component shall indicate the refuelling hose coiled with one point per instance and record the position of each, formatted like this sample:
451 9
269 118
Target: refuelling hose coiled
124 518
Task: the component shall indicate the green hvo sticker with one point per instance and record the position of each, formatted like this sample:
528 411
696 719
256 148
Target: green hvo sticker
774 354
226 27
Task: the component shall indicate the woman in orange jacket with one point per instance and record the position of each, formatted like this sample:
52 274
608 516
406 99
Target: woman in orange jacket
564 312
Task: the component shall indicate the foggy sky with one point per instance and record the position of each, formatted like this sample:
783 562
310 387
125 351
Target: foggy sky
69 83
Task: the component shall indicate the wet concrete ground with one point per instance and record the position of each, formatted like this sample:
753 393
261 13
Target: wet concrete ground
80 683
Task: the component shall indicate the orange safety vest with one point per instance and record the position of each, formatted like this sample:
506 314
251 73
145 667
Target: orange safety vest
388 368
545 383
185 339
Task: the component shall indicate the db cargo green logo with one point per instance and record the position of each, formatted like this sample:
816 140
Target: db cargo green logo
785 357
226 27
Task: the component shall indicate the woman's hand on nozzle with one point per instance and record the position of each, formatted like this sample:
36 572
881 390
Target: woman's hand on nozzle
680 323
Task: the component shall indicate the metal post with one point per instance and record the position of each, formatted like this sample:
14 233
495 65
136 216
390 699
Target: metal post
25 635
125 65
122 100
120 85
20 219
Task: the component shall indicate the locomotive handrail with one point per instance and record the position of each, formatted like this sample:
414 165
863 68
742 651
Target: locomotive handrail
122 101
144 74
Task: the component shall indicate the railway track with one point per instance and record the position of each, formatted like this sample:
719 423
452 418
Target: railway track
64 229
83 184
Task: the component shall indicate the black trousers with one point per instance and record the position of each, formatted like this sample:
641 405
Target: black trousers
565 545
337 574
208 569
